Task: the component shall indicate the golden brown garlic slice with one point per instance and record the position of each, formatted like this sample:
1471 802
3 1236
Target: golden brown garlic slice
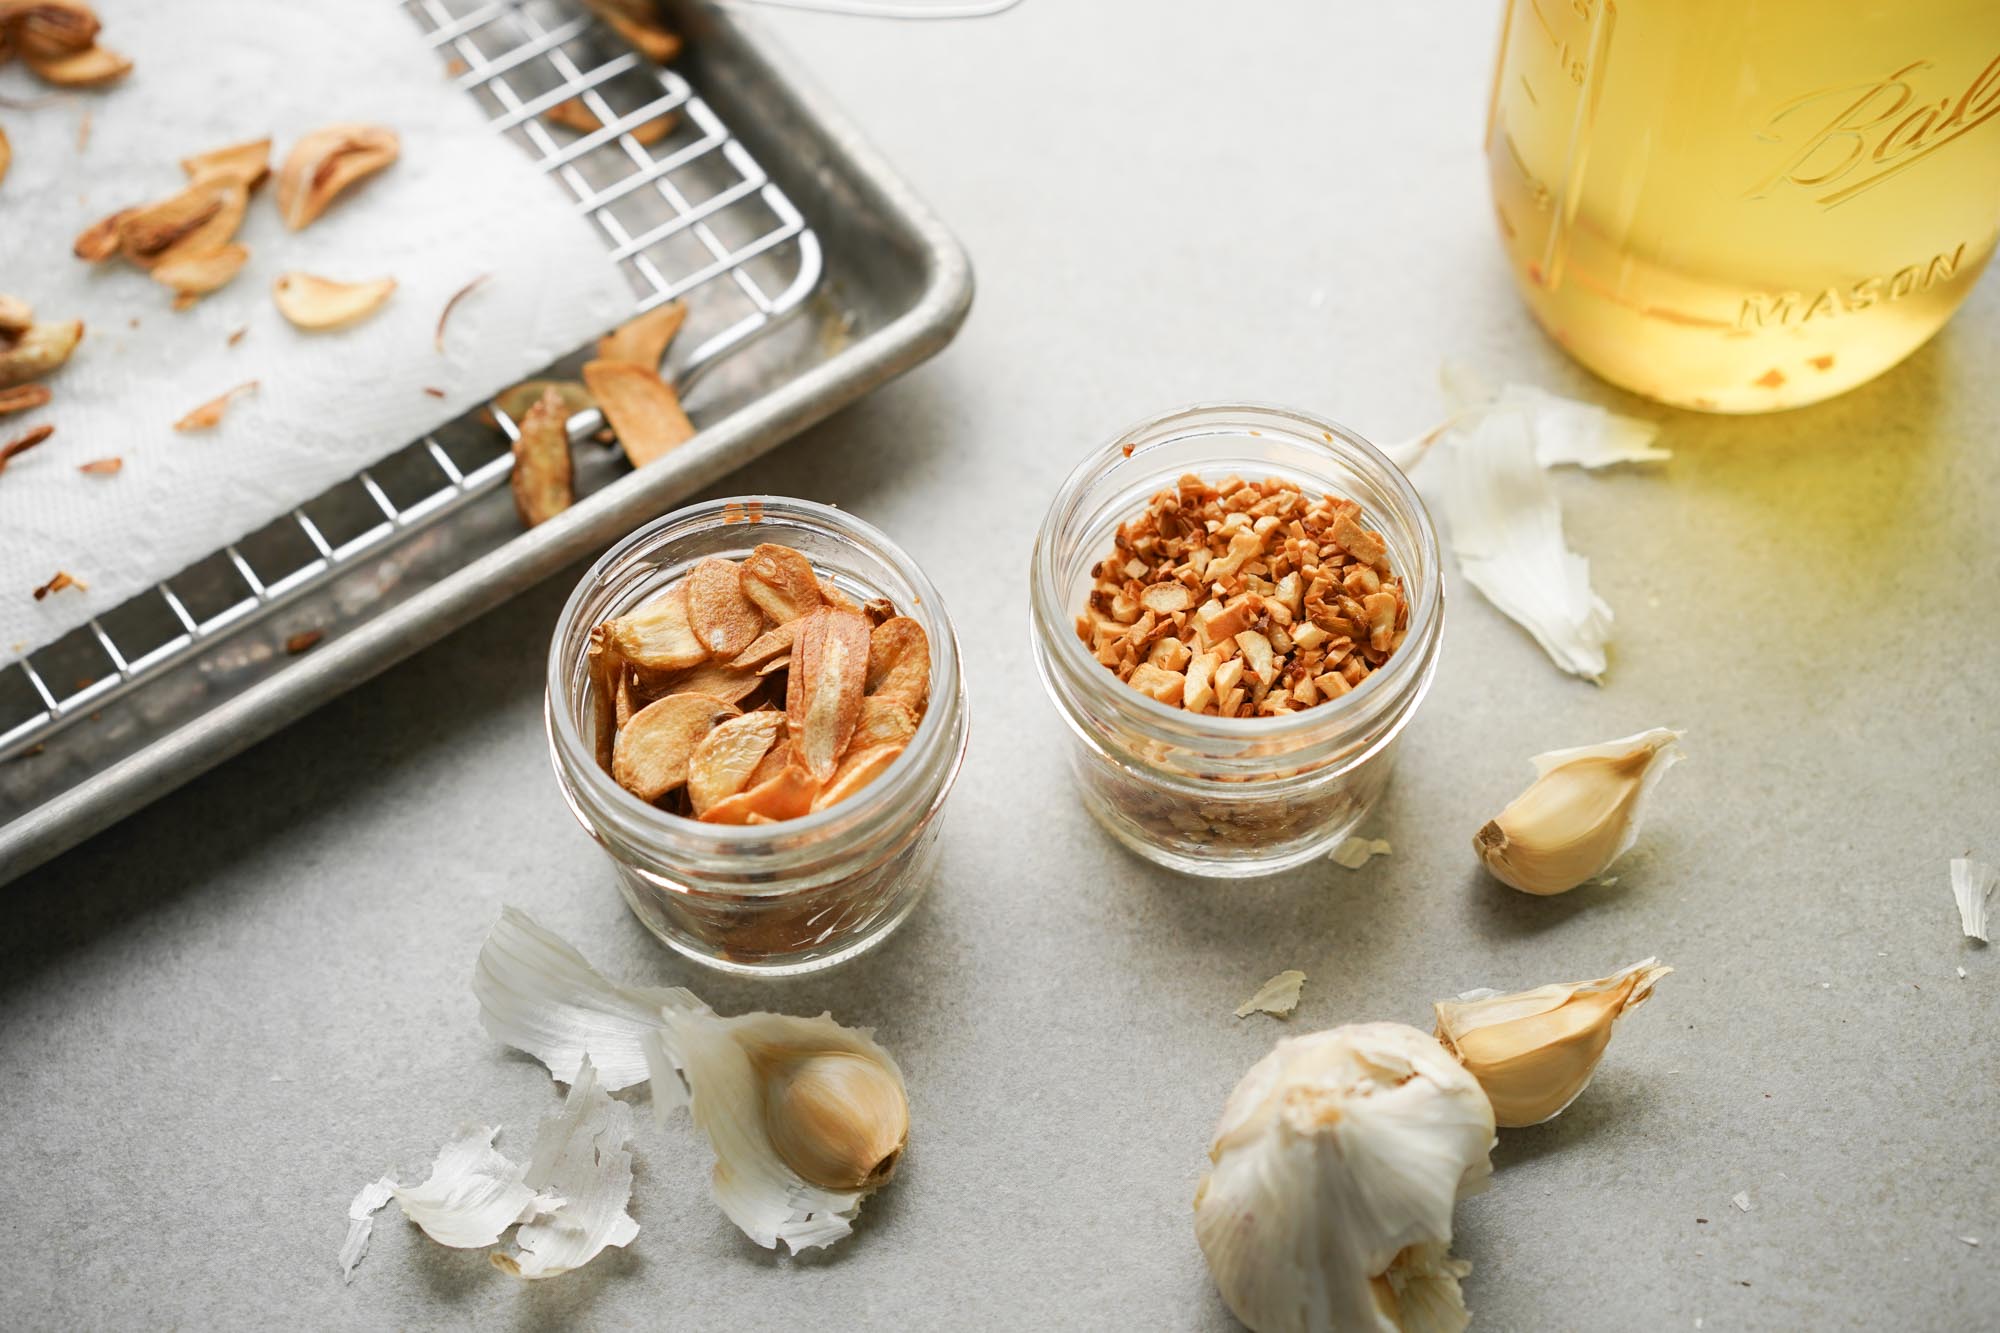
39 350
542 479
318 304
327 162
644 412
824 687
651 755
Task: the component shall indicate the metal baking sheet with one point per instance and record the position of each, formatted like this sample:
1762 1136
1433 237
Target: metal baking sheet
842 280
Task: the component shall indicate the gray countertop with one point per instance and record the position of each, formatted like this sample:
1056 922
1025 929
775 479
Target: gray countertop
220 1018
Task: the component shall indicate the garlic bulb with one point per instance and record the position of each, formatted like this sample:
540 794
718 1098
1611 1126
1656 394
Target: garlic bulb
1535 1051
1333 1173
1580 814
806 1117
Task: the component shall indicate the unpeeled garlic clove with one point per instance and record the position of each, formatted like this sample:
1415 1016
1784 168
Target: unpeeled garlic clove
1581 813
837 1118
806 1117
1536 1050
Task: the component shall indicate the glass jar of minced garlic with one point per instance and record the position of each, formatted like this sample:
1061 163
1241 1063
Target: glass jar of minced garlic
754 707
1236 610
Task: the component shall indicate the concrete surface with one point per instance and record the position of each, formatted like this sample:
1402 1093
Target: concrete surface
220 1018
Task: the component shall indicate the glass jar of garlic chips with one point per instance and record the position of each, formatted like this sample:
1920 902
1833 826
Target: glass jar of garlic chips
785 897
1244 795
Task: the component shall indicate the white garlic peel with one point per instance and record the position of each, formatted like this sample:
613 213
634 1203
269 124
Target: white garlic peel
538 995
1536 1051
1334 1169
806 1117
1972 884
580 1156
474 1193
361 1223
1582 812
1278 996
1354 853
1505 526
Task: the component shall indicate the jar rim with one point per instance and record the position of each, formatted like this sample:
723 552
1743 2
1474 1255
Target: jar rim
879 803
1403 671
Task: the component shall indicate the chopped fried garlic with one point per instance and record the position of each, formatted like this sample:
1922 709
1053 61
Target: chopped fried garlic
1278 996
1534 1052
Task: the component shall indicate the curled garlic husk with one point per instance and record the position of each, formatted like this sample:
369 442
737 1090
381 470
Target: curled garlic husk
1581 813
806 1117
1333 1172
1536 1050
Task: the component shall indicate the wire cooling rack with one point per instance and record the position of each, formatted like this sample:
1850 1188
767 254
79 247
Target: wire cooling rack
680 210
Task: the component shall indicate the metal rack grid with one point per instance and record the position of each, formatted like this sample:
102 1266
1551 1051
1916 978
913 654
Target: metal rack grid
521 58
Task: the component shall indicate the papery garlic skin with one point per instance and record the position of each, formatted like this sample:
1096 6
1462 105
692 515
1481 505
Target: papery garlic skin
1582 812
1334 1169
474 1192
780 1097
580 1156
806 1117
537 994
1535 1051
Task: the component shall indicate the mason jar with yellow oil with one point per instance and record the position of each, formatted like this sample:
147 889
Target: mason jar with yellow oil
1744 205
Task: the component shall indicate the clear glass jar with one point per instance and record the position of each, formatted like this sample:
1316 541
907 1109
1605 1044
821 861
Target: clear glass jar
1229 797
775 899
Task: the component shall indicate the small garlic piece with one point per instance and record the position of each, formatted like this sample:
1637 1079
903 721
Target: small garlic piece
1535 1051
806 1117
1333 1174
1581 813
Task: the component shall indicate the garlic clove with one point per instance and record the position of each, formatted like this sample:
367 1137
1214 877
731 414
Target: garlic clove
1535 1051
837 1118
806 1117
1581 813
1334 1170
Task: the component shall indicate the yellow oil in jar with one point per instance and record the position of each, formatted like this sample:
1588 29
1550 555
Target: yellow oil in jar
1743 205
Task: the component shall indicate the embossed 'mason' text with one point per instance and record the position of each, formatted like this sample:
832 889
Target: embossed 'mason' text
1764 310
1875 130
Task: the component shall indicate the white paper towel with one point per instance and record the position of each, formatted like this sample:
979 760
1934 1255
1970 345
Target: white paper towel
460 202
